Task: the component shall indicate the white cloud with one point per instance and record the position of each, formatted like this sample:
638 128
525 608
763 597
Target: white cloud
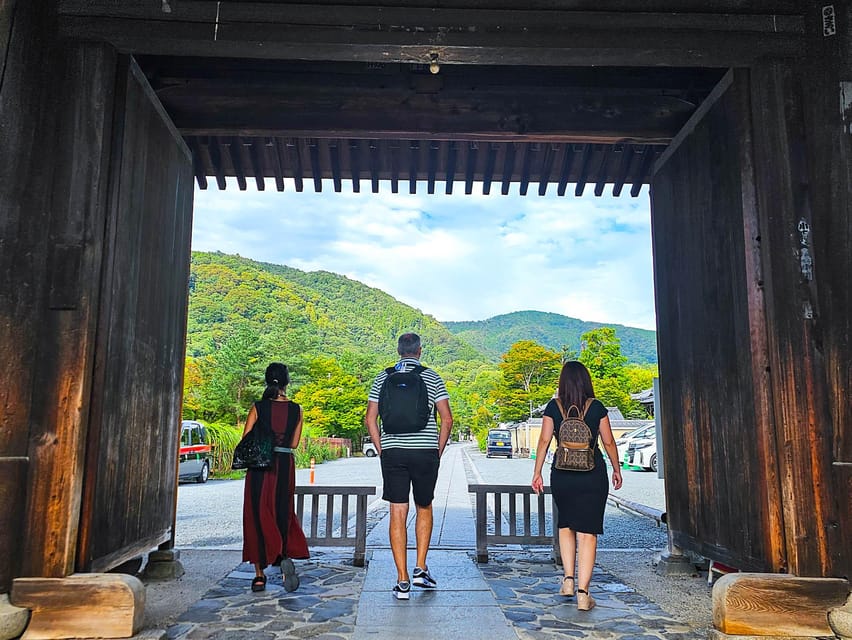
455 257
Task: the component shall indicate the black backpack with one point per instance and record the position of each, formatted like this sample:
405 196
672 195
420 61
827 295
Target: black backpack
404 401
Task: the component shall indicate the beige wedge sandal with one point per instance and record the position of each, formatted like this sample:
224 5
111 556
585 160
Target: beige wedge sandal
584 600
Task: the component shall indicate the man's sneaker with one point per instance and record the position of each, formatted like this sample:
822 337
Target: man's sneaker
423 579
402 590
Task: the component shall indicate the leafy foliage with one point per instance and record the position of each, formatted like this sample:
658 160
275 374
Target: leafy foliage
224 438
336 334
494 336
530 373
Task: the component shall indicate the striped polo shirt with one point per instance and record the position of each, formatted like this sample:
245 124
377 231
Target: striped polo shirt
428 437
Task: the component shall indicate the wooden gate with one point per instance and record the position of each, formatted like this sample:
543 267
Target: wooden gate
711 339
745 396
131 460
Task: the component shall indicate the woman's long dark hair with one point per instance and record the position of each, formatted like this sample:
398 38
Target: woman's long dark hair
575 385
277 378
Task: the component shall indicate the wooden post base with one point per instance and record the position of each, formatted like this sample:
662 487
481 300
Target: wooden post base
83 605
775 605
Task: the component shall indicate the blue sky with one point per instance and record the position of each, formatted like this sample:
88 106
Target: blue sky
455 257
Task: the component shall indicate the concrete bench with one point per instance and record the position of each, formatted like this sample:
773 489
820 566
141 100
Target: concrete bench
328 536
518 501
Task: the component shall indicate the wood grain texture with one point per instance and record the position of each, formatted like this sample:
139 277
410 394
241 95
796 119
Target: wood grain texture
476 33
81 606
13 474
776 605
800 388
133 437
704 274
7 12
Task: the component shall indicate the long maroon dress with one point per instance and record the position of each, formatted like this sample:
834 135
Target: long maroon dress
271 529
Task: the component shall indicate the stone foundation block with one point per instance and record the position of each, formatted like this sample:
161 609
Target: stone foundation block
13 620
840 620
163 565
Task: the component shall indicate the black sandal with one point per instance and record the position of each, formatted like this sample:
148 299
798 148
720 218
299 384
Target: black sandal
259 583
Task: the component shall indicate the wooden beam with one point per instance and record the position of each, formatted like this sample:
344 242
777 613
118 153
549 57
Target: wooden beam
355 164
535 113
490 163
81 605
413 34
256 165
277 163
412 175
313 152
394 162
452 153
772 604
334 156
470 172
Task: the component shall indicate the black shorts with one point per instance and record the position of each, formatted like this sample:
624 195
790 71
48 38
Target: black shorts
406 469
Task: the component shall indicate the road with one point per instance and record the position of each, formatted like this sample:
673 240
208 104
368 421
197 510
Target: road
210 515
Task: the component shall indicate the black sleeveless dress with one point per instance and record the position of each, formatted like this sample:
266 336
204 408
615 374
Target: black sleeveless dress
580 496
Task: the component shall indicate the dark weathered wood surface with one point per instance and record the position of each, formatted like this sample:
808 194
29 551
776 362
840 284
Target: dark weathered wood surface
133 436
711 411
425 161
685 35
54 114
806 429
829 164
22 262
7 8
404 102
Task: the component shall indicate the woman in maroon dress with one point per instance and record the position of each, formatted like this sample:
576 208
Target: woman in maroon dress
272 533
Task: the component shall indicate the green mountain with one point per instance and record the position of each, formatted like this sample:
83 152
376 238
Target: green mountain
494 336
300 315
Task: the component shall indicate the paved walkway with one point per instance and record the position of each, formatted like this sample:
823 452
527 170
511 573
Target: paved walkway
514 596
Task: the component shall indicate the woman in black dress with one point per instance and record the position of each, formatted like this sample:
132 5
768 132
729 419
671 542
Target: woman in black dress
580 496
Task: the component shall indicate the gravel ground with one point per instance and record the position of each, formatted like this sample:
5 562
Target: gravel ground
686 597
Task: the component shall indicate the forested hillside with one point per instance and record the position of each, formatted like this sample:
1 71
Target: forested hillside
336 334
307 314
494 336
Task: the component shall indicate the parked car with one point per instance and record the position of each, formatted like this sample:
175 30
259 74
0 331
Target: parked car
194 452
499 443
642 433
368 447
642 454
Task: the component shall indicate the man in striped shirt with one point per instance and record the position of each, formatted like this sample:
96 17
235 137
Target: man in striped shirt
410 461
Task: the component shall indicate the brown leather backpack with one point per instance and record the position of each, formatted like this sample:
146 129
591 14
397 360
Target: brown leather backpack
574 451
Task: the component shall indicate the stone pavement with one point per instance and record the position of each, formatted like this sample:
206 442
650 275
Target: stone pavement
514 596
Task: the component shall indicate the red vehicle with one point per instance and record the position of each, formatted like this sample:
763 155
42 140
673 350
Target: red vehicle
194 452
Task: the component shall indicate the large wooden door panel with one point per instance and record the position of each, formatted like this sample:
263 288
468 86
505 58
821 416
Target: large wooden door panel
131 460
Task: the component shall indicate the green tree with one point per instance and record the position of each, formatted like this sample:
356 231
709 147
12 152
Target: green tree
601 353
232 375
333 401
530 373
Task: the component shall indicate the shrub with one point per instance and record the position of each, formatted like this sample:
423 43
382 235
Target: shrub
224 438
319 452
